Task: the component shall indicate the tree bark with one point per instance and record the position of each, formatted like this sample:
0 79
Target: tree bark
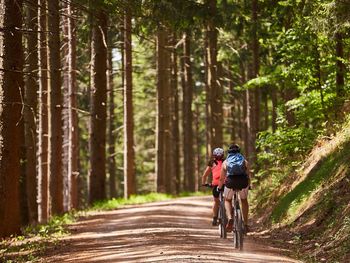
55 112
189 176
73 137
30 111
43 187
111 126
162 82
98 107
340 74
175 120
215 112
11 80
129 154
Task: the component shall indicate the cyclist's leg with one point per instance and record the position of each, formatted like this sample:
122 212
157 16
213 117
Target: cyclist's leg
216 203
228 194
243 194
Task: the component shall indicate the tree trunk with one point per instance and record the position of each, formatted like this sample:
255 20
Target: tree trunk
189 177
98 108
129 154
175 120
340 75
11 80
30 111
208 133
255 96
162 79
215 112
73 148
43 187
65 109
274 109
55 112
111 126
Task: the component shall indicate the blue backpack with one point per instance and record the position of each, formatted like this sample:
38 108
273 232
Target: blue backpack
235 164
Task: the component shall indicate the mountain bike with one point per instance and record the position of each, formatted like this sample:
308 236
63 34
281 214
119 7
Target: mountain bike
222 218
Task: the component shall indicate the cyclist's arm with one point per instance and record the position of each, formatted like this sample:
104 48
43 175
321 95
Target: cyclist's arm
206 174
222 175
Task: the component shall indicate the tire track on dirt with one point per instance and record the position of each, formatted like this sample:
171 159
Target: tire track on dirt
171 231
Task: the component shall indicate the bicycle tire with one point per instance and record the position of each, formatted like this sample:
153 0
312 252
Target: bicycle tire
238 230
223 221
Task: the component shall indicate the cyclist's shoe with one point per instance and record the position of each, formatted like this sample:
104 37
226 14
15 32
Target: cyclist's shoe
229 225
215 221
246 229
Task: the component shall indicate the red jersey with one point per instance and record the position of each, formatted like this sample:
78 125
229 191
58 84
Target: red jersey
215 166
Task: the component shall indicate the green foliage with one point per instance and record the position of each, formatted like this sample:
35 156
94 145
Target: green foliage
285 145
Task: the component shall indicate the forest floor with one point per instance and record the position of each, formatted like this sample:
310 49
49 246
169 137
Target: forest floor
177 230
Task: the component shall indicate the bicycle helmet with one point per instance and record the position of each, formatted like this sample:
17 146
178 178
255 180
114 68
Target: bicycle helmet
218 153
234 148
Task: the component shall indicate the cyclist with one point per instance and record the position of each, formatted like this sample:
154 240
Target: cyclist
235 174
214 167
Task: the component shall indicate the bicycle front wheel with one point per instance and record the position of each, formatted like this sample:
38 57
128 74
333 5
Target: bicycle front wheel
222 221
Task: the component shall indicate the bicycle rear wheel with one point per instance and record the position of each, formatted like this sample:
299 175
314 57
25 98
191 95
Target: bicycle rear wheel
238 230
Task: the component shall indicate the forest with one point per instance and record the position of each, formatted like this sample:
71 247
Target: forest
103 99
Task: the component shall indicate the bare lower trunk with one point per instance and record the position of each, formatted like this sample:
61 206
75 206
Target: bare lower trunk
55 112
30 112
11 80
129 154
98 108
175 120
189 176
43 188
73 148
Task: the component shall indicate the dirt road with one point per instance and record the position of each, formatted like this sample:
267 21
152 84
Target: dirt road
170 231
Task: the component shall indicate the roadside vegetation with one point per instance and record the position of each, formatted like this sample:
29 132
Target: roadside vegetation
306 201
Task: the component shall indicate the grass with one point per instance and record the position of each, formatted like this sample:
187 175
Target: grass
289 205
115 203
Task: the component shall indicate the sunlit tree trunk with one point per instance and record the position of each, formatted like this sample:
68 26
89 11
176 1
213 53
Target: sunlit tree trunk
43 188
55 112
98 108
11 80
111 125
255 95
168 149
129 154
175 119
189 176
73 140
30 111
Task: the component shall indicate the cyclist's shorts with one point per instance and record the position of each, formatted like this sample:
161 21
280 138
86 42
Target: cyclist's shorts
228 193
216 193
237 182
